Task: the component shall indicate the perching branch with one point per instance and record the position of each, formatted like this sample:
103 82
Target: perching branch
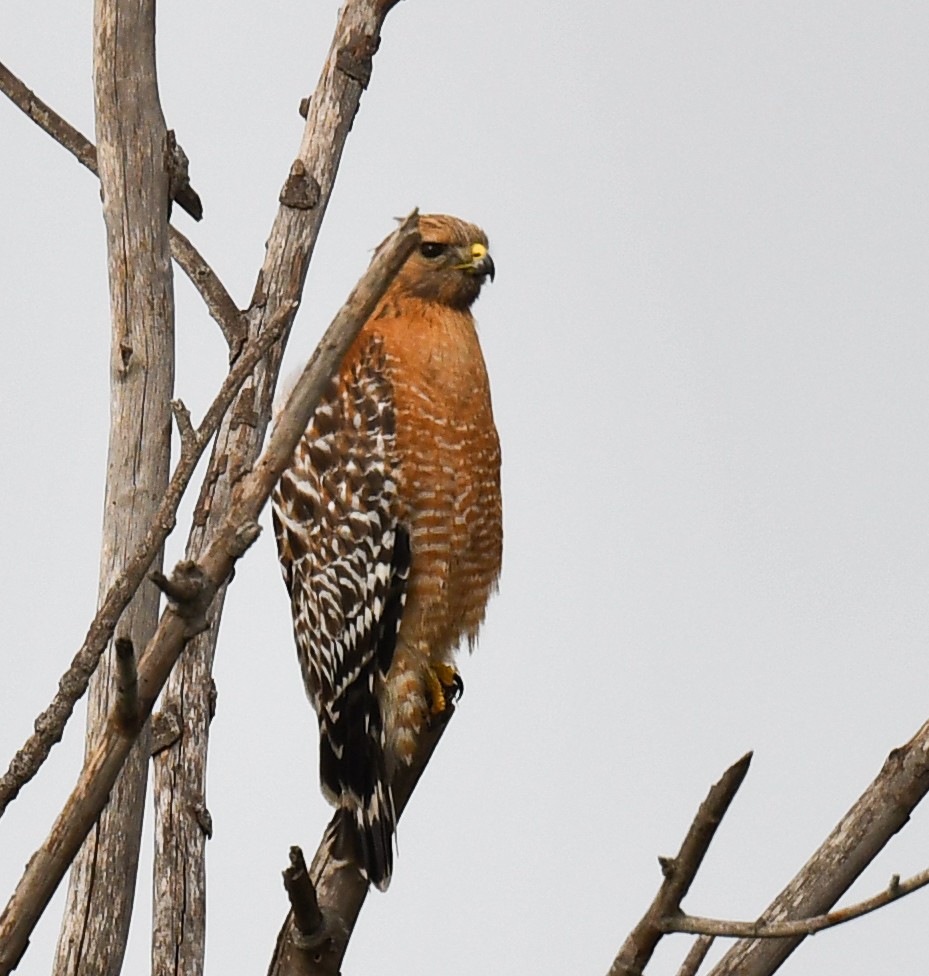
801 926
881 811
237 532
339 887
679 873
49 726
217 299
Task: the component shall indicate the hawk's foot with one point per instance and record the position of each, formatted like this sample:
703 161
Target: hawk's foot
445 687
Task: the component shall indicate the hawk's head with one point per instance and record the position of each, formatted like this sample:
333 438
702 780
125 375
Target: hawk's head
450 264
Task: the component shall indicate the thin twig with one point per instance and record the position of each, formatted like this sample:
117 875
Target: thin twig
49 726
694 959
679 872
695 924
205 280
236 533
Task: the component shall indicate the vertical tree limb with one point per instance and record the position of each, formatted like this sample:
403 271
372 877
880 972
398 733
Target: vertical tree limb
131 132
880 812
131 136
180 770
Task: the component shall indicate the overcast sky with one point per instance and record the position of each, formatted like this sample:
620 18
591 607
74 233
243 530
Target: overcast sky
708 349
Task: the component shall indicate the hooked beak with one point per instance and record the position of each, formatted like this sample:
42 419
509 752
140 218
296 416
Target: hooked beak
480 263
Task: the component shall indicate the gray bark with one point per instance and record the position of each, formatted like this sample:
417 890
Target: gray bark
881 811
130 148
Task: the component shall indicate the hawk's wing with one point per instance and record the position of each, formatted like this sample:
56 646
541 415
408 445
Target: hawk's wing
346 559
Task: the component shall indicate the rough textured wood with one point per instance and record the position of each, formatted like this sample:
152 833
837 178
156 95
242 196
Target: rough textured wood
340 888
180 770
881 811
181 621
131 143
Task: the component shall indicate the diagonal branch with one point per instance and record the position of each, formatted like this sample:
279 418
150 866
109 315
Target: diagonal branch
182 619
801 926
49 726
339 887
878 814
217 299
679 872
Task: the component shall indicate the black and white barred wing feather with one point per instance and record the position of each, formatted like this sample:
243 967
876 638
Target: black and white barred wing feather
346 560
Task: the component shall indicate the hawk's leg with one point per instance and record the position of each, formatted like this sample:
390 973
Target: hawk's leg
444 686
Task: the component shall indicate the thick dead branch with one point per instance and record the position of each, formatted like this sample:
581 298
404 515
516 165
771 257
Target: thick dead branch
220 305
49 726
881 811
679 872
308 919
340 888
180 771
233 537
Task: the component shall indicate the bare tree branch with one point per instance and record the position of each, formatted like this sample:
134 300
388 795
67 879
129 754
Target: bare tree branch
217 299
694 959
180 770
49 726
679 872
881 811
181 620
126 711
340 888
695 924
304 905
131 160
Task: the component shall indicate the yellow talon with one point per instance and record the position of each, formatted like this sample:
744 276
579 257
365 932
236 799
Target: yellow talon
442 678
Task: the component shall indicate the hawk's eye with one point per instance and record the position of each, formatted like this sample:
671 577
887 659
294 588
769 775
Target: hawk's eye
431 249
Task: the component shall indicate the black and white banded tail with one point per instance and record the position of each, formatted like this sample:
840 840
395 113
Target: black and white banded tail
352 737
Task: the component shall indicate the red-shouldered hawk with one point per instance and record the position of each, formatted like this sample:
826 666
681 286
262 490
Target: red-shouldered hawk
388 525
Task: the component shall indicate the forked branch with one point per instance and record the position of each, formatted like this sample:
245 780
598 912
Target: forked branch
679 873
878 814
214 294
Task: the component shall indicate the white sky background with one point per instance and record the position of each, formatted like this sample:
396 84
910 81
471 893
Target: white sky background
709 355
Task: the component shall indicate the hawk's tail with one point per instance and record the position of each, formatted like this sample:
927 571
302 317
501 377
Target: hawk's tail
374 823
354 775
